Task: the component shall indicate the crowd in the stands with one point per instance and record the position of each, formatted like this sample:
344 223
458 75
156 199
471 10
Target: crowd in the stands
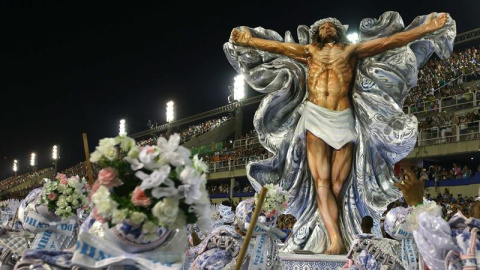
189 132
440 78
17 180
218 188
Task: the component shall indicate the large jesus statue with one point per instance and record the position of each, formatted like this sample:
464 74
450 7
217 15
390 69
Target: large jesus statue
327 117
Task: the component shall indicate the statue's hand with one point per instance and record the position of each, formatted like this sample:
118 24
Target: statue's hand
240 37
435 23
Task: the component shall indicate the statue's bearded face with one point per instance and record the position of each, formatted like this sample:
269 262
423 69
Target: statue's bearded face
327 32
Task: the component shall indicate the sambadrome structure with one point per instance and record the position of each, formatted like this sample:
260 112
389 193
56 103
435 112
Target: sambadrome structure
333 116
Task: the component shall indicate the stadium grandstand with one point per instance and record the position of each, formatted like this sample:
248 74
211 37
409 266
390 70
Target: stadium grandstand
445 101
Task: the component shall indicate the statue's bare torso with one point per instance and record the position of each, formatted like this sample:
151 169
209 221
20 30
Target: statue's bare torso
331 71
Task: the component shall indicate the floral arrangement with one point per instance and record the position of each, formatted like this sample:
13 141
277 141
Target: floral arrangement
276 200
65 195
149 186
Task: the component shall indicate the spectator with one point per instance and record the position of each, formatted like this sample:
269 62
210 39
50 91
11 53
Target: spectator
457 171
466 172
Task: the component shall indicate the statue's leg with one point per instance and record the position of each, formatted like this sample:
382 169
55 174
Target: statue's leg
319 160
341 166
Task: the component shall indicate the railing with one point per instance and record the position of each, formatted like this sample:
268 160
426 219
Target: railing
231 164
247 143
203 131
451 133
455 102
467 36
460 101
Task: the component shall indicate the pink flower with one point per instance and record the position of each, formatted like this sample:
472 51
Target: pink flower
271 213
97 216
108 177
139 198
64 181
52 196
61 177
284 205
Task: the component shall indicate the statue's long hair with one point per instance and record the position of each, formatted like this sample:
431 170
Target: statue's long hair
340 29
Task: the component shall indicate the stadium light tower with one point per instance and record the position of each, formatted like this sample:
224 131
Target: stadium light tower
353 37
170 112
123 130
15 166
32 161
239 88
55 156
54 152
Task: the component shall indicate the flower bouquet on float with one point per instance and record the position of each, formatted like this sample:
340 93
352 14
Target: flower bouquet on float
53 212
142 201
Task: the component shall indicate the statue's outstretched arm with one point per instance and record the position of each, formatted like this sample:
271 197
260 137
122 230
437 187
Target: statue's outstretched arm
376 46
243 37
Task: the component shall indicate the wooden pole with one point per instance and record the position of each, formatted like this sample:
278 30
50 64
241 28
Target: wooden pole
87 157
251 228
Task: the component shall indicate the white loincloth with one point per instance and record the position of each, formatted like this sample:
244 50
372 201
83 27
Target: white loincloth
336 128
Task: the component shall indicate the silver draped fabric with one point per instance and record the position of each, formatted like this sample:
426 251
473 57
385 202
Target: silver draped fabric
385 133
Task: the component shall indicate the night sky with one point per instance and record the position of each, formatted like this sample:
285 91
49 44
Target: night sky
74 67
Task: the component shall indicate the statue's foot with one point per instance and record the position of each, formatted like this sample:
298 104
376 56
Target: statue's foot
335 249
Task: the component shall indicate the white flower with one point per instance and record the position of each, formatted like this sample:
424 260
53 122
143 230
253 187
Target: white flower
137 218
168 191
126 143
84 200
173 153
103 203
148 157
110 153
107 148
169 146
191 185
96 156
134 163
75 183
199 165
61 202
166 211
68 190
106 207
61 188
119 215
75 204
156 178
106 143
132 158
134 151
